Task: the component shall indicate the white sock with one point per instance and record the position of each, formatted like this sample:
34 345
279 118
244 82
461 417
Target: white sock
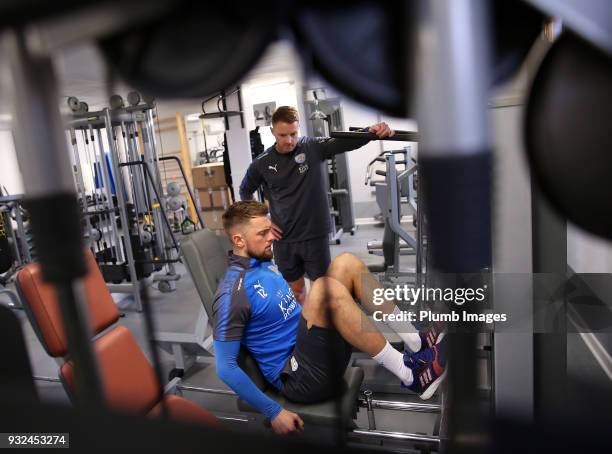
406 331
393 361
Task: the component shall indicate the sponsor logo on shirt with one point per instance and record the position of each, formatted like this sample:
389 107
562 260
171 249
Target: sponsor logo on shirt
260 290
300 158
273 167
303 168
287 302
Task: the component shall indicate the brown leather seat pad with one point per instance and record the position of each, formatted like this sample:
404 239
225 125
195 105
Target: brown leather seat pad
42 301
128 380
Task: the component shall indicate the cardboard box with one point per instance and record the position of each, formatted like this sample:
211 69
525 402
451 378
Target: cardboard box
212 219
208 176
215 198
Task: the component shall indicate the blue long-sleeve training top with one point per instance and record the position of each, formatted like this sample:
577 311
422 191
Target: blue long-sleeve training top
254 307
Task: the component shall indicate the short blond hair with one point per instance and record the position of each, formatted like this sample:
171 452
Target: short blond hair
286 114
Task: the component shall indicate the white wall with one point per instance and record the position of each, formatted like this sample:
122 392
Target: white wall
10 176
281 90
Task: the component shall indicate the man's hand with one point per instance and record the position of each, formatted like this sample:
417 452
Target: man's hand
287 422
277 233
382 130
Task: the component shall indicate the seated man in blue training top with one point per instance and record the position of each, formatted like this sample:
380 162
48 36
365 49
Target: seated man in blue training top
304 350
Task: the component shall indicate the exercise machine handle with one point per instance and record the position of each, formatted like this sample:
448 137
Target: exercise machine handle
405 136
397 131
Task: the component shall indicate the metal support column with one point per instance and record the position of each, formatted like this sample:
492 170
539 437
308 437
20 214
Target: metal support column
123 215
454 175
49 188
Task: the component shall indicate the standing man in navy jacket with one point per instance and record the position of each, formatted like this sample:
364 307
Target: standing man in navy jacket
292 174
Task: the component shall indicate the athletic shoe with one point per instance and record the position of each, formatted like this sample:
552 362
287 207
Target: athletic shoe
431 334
428 369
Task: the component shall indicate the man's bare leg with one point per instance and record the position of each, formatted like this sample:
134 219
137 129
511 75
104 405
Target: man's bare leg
330 305
298 287
355 276
358 280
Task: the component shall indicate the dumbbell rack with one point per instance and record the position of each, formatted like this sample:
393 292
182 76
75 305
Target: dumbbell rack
125 216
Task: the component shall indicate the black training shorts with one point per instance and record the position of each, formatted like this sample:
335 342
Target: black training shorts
317 364
296 258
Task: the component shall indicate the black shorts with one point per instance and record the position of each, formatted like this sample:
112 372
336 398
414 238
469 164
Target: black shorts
296 258
316 365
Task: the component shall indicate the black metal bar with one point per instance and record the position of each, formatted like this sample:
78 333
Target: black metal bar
240 108
224 108
398 137
146 169
147 262
106 211
11 198
150 330
180 164
397 131
549 242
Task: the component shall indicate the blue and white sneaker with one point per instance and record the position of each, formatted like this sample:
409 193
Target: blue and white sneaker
432 334
428 369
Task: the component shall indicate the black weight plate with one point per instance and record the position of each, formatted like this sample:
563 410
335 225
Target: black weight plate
365 51
73 103
116 102
133 98
197 49
359 48
568 132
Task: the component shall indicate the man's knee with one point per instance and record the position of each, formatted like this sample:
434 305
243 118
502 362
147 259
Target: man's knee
327 292
346 264
326 297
